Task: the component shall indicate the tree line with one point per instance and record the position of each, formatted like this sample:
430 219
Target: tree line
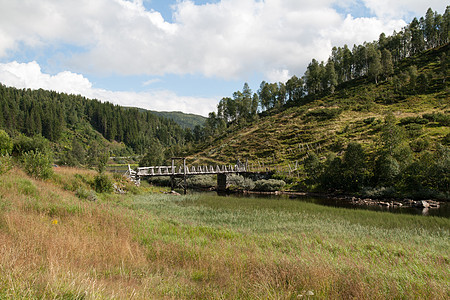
392 169
373 60
50 114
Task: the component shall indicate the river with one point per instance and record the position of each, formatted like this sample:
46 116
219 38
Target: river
442 211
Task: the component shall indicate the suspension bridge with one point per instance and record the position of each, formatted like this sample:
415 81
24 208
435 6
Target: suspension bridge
182 171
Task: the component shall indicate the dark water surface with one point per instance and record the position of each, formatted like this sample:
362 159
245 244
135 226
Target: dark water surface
442 211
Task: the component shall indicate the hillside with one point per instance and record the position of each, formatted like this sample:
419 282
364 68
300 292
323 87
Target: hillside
182 119
72 123
359 111
354 112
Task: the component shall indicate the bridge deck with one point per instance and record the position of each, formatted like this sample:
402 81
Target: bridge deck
181 171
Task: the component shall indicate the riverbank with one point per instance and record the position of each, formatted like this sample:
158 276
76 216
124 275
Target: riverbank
357 201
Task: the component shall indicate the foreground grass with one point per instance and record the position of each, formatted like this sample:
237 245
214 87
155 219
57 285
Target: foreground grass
54 245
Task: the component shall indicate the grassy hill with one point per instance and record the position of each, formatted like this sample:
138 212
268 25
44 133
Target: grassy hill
385 139
355 112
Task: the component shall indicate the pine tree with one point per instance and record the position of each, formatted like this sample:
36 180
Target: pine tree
430 29
386 62
331 77
375 67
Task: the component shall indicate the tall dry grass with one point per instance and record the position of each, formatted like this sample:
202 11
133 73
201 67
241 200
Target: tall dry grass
54 245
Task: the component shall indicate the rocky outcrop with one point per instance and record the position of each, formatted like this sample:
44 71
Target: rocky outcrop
395 203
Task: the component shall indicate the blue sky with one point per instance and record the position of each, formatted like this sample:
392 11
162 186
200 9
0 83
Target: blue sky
181 55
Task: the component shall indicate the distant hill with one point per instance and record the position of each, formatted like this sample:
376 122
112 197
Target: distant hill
62 118
182 119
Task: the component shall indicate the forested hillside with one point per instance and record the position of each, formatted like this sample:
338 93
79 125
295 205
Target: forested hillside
373 120
381 61
58 117
184 120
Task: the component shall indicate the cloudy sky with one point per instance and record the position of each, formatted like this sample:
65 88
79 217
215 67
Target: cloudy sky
181 55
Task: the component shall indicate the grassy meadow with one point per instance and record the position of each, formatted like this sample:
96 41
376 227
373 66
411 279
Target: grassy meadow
55 245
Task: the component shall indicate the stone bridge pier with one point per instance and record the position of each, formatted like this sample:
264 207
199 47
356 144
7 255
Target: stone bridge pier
221 182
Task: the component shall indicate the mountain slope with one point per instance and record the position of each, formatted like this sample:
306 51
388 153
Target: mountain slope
60 117
355 112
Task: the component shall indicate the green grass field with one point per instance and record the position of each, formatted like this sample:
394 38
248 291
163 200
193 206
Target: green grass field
54 245
267 248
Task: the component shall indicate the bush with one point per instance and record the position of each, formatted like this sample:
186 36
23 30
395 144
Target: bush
442 119
103 184
416 120
369 120
446 140
6 144
201 181
86 194
379 192
419 145
5 164
270 185
324 113
414 130
239 182
23 144
38 164
160 180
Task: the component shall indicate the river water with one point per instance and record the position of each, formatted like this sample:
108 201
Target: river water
442 211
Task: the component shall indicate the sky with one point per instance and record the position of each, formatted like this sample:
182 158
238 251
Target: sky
181 55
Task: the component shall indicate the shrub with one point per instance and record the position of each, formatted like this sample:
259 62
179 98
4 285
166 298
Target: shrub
201 181
23 144
160 180
379 192
324 113
416 120
446 140
83 193
369 120
414 129
5 164
240 182
270 185
103 184
38 164
419 145
6 144
442 119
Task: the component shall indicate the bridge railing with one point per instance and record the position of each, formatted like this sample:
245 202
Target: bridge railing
192 170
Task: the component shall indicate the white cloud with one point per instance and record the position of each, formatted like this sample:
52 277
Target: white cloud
29 75
227 39
388 9
357 30
278 76
151 81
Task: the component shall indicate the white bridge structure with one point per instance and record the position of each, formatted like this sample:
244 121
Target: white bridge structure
183 171
186 170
